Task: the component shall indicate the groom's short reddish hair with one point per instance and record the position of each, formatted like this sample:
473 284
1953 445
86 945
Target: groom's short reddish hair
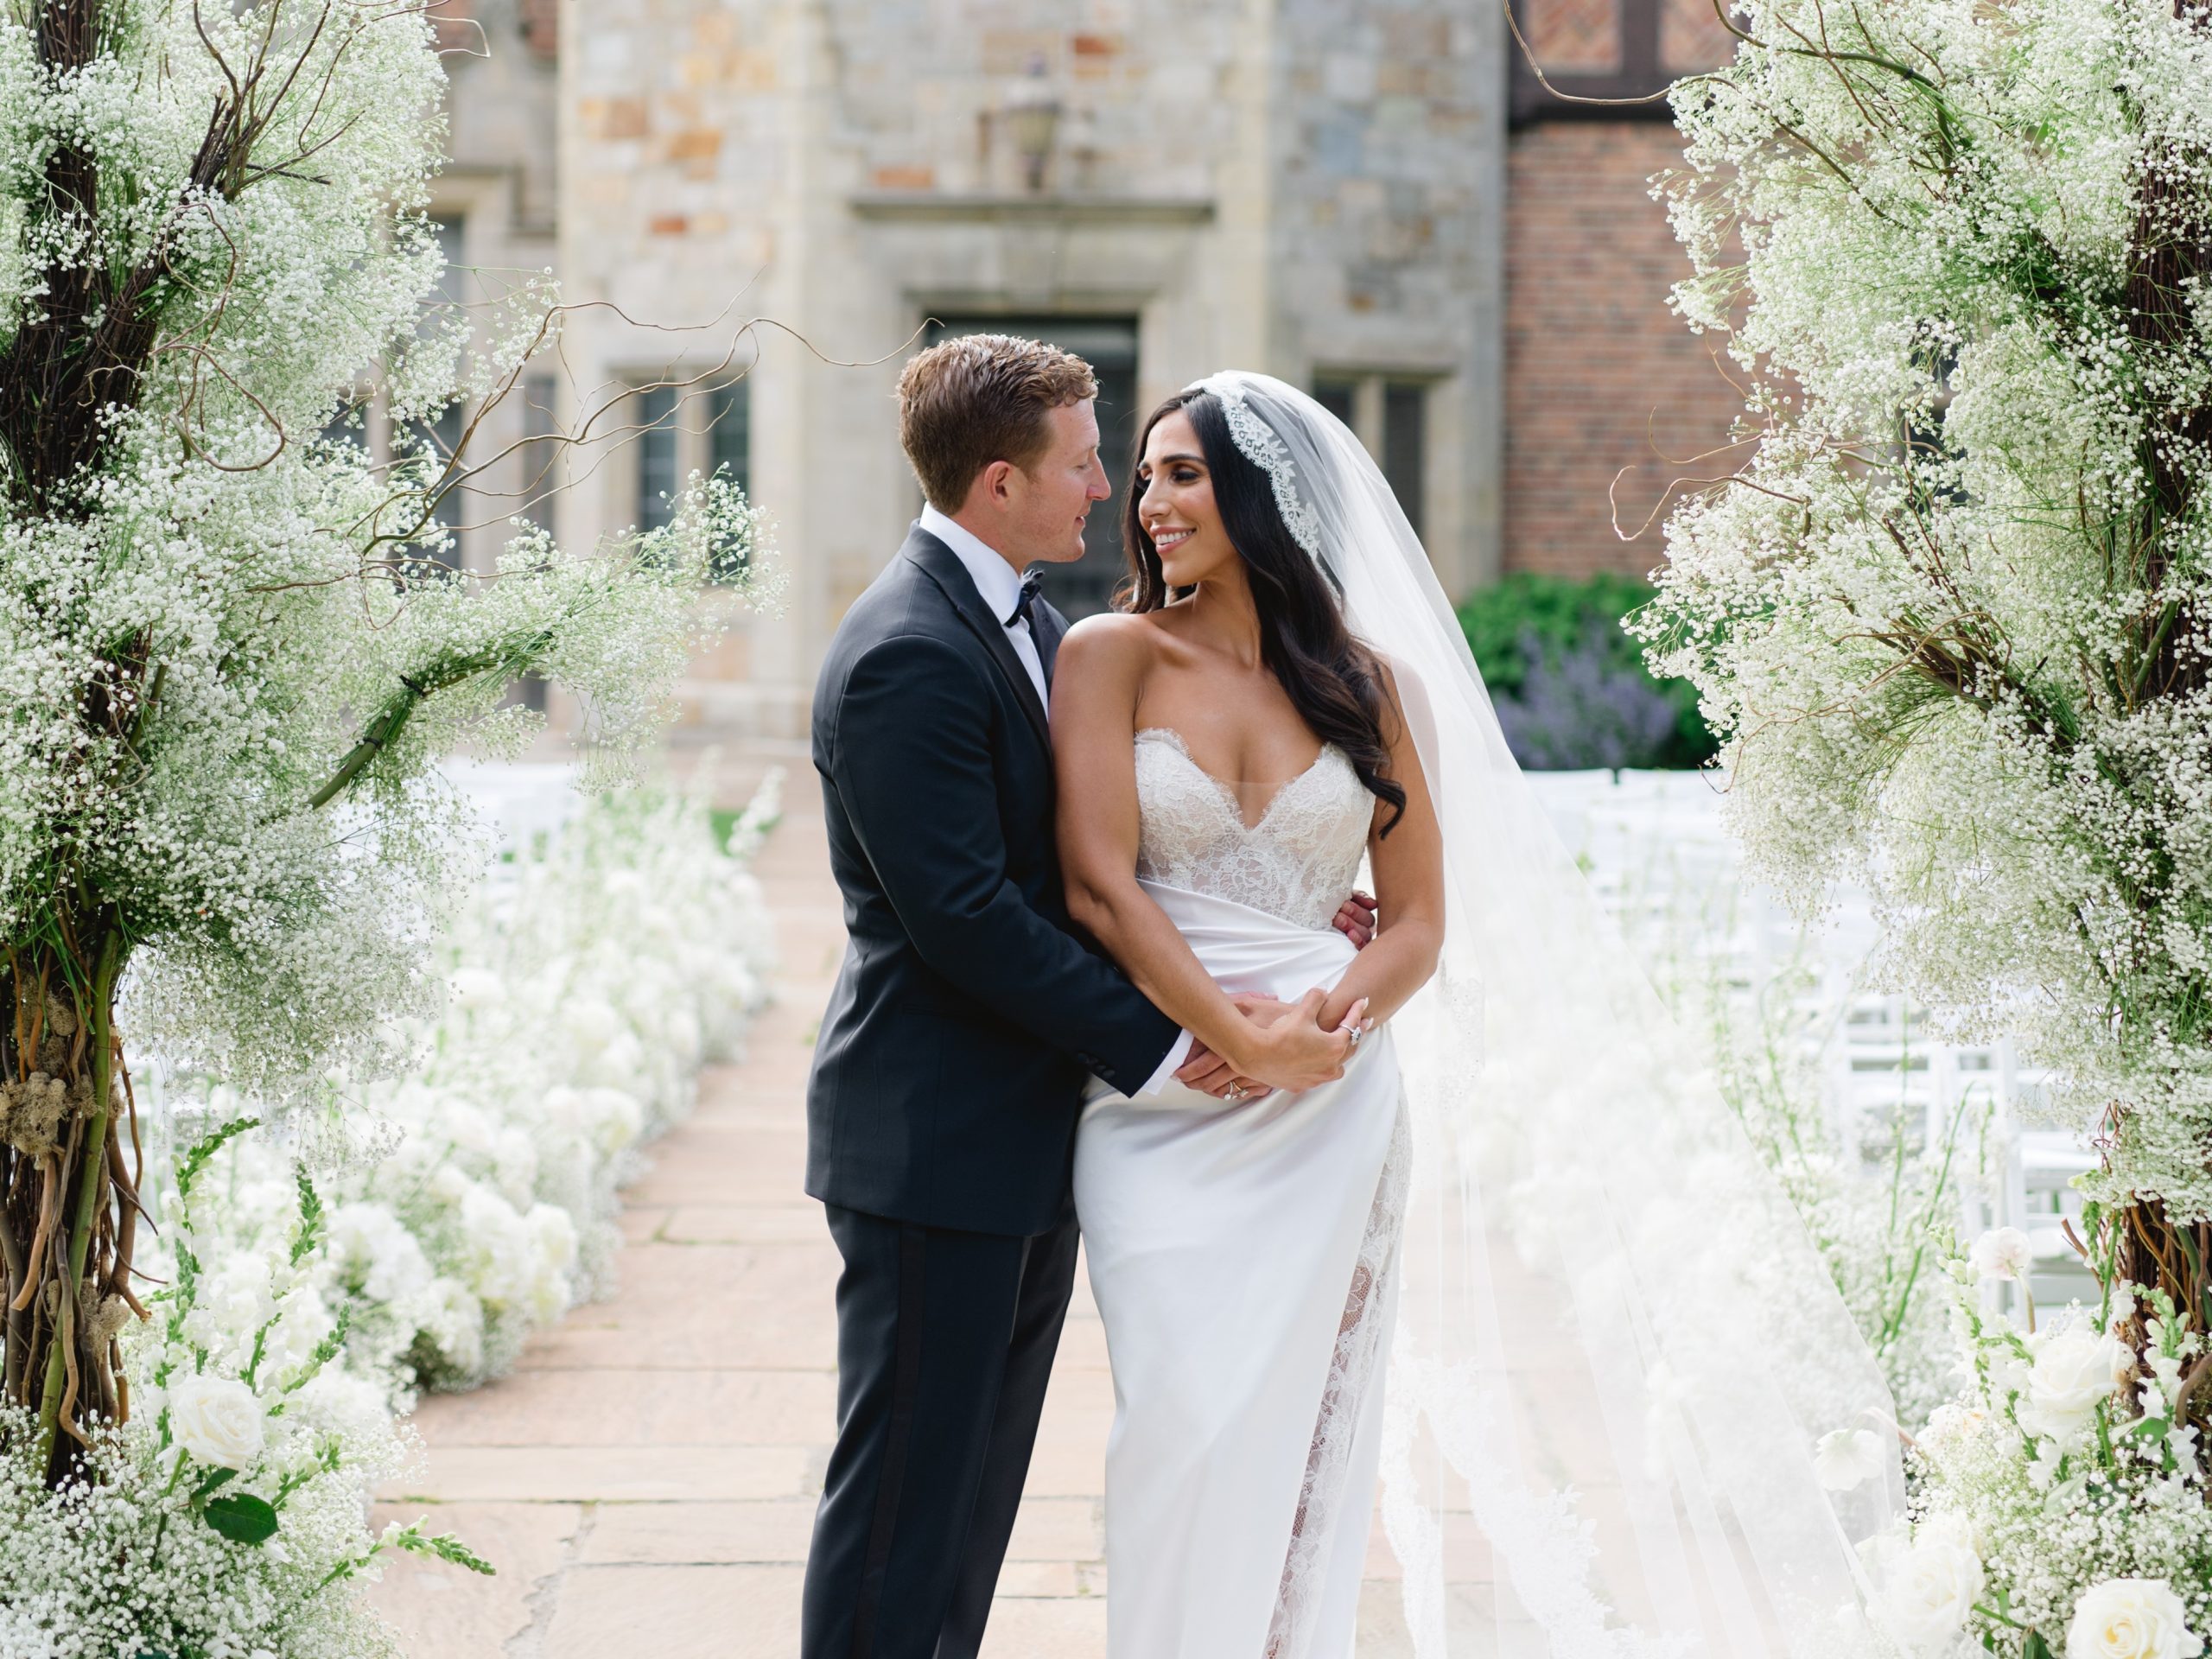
979 398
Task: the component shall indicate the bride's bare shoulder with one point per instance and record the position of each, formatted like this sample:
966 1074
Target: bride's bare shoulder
1112 644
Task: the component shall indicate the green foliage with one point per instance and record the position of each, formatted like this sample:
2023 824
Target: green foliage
311 1220
242 1517
206 1147
444 1547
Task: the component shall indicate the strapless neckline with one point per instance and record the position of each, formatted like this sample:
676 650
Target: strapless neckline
1174 741
1297 860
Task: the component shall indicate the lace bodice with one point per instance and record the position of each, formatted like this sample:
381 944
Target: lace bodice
1299 861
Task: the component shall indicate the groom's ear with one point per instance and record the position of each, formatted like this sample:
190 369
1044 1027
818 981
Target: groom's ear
993 486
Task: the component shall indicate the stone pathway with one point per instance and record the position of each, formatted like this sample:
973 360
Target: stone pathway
645 1480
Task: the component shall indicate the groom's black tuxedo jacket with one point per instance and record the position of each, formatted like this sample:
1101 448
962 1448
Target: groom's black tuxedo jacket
949 1072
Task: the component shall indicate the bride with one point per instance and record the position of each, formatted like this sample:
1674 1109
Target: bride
1625 1413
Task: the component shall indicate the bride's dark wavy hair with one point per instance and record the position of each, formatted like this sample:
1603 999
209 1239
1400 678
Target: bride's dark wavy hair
1331 679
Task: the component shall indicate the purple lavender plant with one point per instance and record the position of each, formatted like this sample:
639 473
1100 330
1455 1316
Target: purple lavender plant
1582 706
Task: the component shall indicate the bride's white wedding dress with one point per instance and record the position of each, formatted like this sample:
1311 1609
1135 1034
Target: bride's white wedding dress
1616 1358
1241 1256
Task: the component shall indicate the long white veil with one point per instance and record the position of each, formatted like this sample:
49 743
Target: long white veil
1617 1349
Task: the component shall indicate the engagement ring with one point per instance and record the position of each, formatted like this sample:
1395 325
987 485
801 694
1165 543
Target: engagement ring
1358 1032
1236 1092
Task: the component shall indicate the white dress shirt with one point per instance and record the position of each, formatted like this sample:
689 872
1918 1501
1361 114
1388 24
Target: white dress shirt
999 584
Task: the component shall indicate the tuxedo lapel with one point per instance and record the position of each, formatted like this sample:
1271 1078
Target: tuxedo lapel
1049 626
938 563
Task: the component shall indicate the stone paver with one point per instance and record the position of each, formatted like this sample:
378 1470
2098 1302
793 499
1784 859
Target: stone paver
645 1480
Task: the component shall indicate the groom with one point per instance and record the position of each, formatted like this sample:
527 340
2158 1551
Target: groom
949 1073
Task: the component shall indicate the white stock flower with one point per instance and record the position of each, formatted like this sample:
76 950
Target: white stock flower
305 1323
1929 1586
1847 1458
2075 1368
2131 1618
217 1419
2001 1253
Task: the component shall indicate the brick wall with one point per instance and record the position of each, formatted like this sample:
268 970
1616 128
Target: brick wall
1599 375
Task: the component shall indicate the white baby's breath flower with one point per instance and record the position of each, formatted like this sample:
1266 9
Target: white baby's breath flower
2131 1618
1950 1423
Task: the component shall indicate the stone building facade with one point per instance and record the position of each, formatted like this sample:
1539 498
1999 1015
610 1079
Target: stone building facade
758 208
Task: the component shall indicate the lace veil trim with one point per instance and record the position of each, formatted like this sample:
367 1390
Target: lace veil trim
1261 446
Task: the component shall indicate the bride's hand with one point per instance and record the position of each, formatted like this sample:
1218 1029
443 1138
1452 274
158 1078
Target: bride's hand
1295 1052
1209 1074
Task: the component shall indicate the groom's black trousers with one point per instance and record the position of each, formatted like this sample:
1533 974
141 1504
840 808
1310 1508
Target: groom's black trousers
944 1342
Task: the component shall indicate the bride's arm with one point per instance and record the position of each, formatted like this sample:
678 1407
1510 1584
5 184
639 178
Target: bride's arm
1409 867
1095 683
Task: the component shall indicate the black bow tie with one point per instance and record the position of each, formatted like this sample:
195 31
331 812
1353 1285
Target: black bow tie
1024 607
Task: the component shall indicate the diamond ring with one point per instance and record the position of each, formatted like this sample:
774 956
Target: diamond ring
1358 1032
1235 1091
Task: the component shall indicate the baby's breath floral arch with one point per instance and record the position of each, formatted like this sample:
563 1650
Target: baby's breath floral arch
228 645
1952 612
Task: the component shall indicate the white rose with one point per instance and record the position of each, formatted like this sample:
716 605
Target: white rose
217 1419
1847 1458
2074 1368
2000 1253
591 1022
2131 1618
1929 1587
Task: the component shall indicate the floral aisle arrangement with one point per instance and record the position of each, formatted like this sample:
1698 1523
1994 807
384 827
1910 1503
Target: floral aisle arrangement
1952 618
231 646
226 1517
475 1201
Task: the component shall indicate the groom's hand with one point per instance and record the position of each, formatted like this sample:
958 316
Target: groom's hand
1208 1073
1355 920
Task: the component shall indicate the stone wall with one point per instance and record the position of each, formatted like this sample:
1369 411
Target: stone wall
1290 185
1387 158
